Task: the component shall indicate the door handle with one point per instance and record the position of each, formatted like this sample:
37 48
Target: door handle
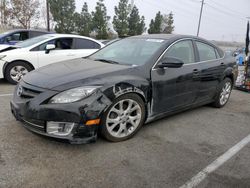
222 64
196 71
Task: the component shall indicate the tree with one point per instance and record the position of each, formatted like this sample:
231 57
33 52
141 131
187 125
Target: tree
83 21
136 24
63 12
100 20
155 25
158 22
120 20
167 23
23 12
5 12
151 29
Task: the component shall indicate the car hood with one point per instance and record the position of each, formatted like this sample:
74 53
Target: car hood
81 71
6 47
10 49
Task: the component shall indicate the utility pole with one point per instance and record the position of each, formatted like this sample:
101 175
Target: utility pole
47 9
202 3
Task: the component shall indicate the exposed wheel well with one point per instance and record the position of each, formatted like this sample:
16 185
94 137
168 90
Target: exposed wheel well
143 99
231 76
8 63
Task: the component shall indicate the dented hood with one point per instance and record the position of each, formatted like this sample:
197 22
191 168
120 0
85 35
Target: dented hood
81 70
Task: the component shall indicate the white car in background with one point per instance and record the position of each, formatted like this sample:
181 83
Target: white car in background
16 61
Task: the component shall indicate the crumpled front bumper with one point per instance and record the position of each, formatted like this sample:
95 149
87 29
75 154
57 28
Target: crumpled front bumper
34 114
80 134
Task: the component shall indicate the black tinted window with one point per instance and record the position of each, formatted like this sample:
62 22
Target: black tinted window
182 50
206 52
86 44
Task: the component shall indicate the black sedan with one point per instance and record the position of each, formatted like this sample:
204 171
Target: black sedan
122 86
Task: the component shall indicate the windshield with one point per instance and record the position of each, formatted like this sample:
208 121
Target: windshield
131 51
33 41
5 33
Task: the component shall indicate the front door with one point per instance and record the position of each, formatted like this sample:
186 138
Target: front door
174 88
63 51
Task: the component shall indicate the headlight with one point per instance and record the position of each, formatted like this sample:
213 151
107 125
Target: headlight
73 95
2 56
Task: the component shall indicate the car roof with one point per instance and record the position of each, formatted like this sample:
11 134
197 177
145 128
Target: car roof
70 35
165 36
66 35
55 35
19 30
172 37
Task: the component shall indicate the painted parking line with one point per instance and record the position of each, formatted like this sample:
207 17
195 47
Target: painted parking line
4 95
217 163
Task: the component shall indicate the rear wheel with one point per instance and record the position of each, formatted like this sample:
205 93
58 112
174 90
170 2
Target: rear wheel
124 118
15 71
224 93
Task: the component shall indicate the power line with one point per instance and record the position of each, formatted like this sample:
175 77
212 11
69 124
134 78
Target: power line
230 10
224 12
174 12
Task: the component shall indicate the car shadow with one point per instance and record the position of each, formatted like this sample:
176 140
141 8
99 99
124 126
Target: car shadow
4 82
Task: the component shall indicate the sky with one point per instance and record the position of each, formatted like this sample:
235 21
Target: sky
224 20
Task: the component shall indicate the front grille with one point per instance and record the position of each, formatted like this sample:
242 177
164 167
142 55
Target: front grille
35 124
29 93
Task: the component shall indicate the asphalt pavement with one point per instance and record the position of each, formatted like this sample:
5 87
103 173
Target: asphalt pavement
165 153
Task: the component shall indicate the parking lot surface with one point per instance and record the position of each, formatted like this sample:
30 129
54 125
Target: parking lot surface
165 153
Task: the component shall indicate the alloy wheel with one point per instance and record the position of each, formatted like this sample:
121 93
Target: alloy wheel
123 118
17 72
225 93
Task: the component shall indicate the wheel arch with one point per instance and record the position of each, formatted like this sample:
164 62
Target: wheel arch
19 60
229 74
133 90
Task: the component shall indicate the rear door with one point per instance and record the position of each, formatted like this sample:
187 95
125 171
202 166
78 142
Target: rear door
212 68
175 88
85 47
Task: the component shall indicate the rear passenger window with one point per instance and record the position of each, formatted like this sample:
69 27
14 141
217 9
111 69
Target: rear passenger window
206 52
86 44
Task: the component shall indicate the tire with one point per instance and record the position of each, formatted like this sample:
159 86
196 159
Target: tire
224 90
15 71
119 124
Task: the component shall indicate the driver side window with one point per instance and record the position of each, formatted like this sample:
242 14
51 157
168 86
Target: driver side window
182 50
61 44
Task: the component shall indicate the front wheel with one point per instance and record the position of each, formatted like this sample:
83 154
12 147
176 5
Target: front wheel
15 71
224 93
124 118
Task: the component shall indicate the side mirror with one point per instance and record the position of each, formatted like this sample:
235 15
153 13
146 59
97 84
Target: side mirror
49 47
170 62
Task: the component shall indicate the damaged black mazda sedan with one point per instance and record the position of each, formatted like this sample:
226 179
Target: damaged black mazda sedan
122 86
